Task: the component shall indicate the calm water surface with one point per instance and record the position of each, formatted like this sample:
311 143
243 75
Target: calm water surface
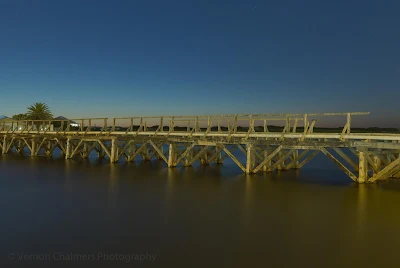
195 217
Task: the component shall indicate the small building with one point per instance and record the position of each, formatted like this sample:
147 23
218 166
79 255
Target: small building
66 122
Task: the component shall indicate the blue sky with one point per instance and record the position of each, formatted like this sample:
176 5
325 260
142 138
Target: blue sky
129 58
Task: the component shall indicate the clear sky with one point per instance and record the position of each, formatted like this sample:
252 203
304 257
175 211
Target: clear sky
164 57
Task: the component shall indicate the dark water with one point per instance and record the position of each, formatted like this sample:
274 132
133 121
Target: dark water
193 217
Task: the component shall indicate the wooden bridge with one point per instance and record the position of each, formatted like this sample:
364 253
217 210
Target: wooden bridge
364 157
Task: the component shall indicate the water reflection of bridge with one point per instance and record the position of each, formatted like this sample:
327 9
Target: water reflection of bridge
369 156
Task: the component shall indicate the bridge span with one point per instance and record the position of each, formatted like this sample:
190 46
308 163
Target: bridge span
269 141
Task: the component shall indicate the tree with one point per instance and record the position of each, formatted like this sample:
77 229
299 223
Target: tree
39 111
19 117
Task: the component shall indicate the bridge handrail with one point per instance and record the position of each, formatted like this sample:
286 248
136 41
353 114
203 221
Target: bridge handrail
230 122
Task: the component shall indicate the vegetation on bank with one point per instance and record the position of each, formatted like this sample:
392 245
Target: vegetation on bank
37 111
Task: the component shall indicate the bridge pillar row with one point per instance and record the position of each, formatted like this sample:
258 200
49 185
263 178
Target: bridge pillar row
250 158
362 167
171 155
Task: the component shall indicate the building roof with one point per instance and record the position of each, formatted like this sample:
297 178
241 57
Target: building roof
64 118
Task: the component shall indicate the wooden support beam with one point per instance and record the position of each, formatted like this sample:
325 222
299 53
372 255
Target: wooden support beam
311 128
295 125
151 153
217 155
161 148
104 148
84 150
188 158
68 149
198 155
257 155
288 124
337 162
40 146
125 148
267 159
27 144
371 162
376 164
241 149
267 166
282 159
50 146
296 158
76 148
159 151
295 161
33 144
282 163
346 158
353 151
114 151
172 155
4 149
185 154
237 162
387 171
265 126
145 152
349 123
363 168
19 147
249 158
61 146
137 152
344 131
305 120
10 144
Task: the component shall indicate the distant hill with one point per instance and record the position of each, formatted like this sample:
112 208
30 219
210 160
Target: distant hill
3 116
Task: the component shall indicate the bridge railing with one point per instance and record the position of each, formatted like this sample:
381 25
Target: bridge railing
237 123
240 123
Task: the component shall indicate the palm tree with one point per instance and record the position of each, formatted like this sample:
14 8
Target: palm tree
19 117
39 111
